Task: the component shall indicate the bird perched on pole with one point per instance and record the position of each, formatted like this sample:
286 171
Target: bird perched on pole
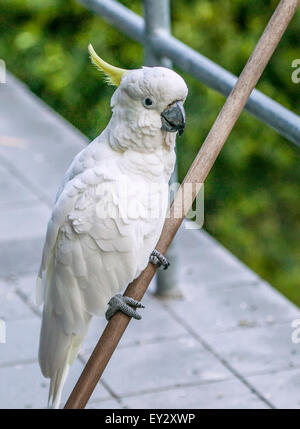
109 213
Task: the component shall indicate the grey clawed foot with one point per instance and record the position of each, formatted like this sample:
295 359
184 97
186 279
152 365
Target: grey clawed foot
124 304
156 258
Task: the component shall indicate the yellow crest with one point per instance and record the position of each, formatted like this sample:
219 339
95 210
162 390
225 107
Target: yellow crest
113 74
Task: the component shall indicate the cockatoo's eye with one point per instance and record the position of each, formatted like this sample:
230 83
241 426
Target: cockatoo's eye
148 102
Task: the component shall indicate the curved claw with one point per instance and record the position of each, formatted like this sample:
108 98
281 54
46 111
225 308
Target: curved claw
124 304
156 258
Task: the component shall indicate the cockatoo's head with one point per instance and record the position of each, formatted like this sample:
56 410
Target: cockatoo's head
148 103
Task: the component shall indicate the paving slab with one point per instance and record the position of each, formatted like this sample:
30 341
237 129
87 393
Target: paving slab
202 306
12 306
12 191
24 223
199 250
22 339
32 387
164 364
25 286
280 387
42 134
18 257
224 394
257 350
108 404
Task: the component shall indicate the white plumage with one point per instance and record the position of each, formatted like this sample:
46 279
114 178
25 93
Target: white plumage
101 232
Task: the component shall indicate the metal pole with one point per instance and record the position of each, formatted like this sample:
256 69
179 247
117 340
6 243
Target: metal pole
157 19
187 59
197 173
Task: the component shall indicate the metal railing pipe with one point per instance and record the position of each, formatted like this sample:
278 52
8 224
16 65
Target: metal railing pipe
259 105
187 59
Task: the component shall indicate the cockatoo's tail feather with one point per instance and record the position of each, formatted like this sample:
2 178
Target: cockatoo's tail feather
113 74
56 386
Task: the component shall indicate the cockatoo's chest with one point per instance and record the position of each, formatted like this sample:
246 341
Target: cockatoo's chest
143 200
143 184
155 167
130 191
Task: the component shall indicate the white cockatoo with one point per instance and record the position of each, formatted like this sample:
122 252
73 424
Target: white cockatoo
109 213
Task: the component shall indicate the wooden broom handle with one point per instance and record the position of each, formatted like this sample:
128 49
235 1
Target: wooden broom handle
196 174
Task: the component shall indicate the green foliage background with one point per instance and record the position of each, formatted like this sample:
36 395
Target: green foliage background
252 193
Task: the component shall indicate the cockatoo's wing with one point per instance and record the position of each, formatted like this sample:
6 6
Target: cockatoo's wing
93 249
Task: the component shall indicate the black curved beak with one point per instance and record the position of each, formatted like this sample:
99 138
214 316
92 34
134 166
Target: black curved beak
173 118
